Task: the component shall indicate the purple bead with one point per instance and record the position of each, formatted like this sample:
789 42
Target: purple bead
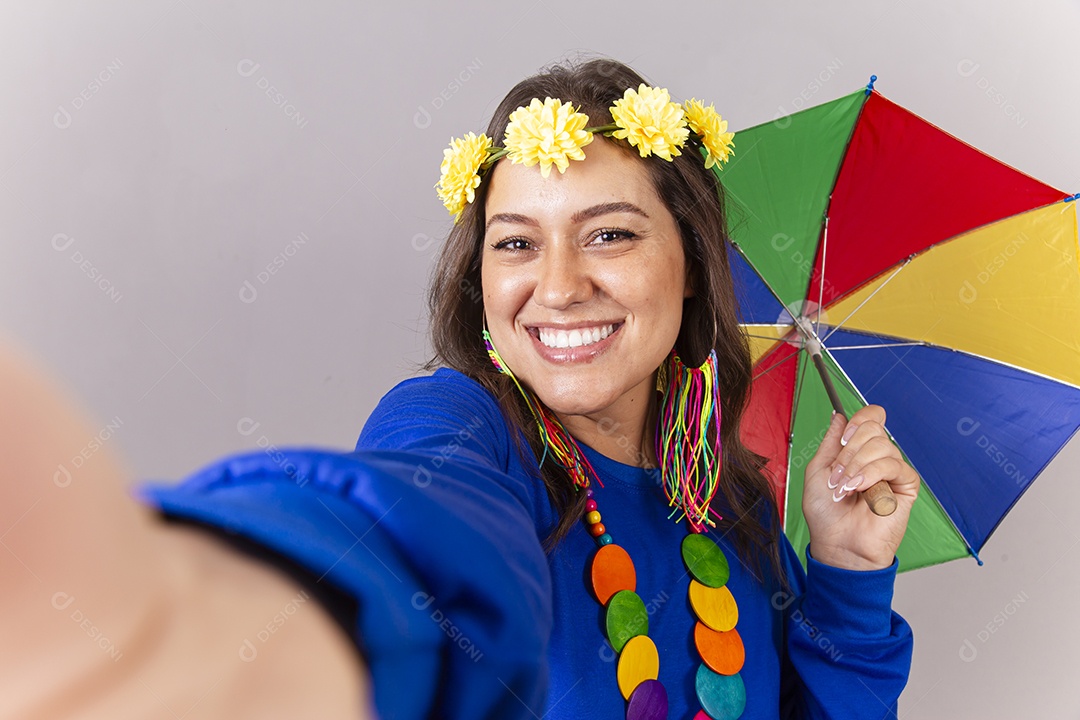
588 492
648 701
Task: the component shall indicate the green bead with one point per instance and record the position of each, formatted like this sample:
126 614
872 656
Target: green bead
626 617
705 559
605 539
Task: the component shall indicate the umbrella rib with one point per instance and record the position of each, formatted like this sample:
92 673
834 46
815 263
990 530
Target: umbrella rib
764 337
821 285
882 345
878 289
795 404
791 442
775 365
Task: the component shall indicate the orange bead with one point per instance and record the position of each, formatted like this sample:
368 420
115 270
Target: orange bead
723 652
597 530
612 571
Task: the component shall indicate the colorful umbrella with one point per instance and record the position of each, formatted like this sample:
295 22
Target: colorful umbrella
942 285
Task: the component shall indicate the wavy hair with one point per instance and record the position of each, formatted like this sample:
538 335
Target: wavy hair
696 199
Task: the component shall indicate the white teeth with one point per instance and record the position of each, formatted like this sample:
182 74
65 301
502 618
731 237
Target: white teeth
574 338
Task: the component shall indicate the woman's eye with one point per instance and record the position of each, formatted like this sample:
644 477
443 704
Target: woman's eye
609 237
513 244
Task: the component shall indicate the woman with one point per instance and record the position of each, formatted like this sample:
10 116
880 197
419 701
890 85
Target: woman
477 546
632 250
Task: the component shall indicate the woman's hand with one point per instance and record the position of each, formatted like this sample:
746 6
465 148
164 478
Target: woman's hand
845 533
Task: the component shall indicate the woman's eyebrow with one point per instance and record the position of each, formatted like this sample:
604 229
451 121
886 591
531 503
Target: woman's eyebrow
578 217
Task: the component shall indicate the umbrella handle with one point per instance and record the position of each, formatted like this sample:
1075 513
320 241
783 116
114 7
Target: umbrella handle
878 496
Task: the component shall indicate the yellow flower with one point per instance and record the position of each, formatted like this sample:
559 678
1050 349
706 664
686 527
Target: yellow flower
461 171
546 133
650 121
713 131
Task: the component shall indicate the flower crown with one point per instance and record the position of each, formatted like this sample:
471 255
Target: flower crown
551 133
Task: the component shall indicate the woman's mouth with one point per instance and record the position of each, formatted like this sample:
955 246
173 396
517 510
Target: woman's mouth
576 345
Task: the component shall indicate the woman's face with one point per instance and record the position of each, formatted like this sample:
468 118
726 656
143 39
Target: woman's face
584 278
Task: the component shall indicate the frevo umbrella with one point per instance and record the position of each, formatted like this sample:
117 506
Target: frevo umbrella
940 283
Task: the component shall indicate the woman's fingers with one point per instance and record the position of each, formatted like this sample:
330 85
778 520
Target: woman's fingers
881 469
869 443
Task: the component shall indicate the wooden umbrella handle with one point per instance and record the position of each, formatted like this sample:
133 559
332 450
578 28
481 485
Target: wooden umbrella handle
880 498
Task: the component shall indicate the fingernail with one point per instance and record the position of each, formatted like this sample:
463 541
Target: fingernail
853 485
834 479
847 434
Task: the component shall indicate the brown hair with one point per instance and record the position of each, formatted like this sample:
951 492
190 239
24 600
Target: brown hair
695 198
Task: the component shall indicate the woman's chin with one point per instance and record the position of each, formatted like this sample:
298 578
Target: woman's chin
565 405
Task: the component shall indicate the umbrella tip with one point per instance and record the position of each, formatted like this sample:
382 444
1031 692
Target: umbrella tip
870 85
1072 197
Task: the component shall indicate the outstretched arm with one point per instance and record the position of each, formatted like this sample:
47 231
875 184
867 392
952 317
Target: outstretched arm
108 612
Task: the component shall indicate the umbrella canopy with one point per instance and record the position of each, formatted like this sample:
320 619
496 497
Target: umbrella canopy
944 286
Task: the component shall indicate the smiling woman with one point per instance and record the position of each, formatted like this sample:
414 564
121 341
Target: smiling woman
599 282
587 354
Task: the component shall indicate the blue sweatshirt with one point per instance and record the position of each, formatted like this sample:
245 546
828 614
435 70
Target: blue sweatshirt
434 526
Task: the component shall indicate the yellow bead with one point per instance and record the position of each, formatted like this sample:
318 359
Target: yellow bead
593 517
714 606
638 661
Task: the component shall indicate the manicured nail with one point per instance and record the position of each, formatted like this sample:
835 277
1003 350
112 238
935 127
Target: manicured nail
834 479
853 485
847 435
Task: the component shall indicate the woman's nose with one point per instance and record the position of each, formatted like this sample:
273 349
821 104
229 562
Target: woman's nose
563 279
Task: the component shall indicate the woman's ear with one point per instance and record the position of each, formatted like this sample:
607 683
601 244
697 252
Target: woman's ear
688 291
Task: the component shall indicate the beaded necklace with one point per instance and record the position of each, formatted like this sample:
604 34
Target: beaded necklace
719 687
690 462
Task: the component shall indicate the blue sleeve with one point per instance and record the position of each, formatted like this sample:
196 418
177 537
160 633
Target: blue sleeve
422 526
848 654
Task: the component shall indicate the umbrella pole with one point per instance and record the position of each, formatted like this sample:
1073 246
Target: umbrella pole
879 496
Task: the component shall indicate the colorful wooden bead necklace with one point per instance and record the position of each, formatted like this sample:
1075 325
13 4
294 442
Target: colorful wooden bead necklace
720 689
690 465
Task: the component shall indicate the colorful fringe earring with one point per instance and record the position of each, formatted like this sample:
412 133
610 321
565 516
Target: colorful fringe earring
688 446
552 433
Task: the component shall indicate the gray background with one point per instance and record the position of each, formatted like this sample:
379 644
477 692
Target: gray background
147 178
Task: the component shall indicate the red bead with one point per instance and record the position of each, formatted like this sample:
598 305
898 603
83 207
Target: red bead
597 530
590 505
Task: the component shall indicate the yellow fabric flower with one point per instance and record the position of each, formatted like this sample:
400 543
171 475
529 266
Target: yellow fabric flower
461 171
706 122
546 133
650 121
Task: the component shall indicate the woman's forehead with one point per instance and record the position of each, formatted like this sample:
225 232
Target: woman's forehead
608 176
